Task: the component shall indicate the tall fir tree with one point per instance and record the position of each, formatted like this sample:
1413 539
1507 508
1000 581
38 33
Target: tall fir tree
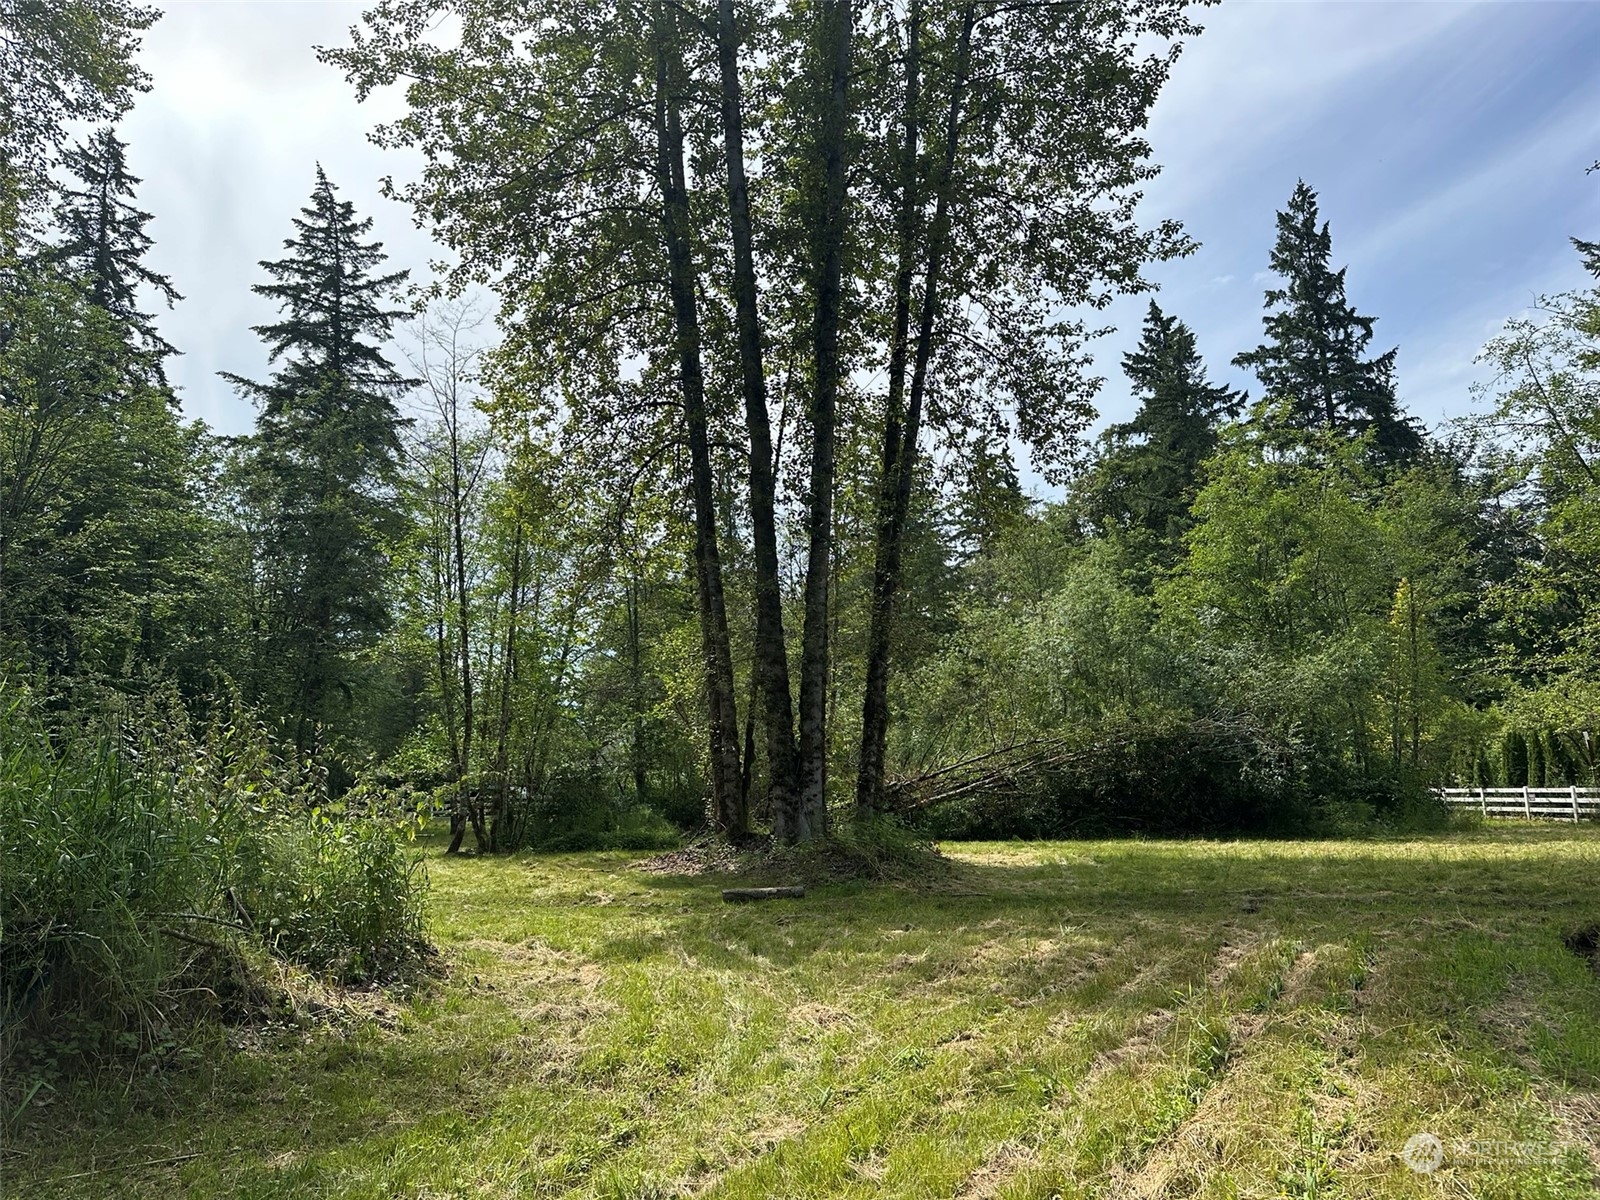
1149 467
1590 250
325 458
1313 364
103 241
1591 255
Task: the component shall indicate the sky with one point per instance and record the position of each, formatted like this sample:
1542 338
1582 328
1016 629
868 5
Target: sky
1448 143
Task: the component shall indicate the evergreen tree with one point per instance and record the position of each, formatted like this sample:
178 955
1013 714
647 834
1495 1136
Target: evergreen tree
103 240
1313 364
326 453
1591 255
1590 250
62 64
1149 466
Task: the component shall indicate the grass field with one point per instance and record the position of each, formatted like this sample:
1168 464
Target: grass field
1074 1019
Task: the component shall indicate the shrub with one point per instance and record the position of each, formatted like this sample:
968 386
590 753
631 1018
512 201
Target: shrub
1161 774
139 863
1171 774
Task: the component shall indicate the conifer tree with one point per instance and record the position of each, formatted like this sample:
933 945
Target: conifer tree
1150 465
1591 255
1313 364
62 64
104 242
326 453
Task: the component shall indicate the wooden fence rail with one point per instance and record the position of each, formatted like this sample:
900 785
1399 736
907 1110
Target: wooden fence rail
1547 803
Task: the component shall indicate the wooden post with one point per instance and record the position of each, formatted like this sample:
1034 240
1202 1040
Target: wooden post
1527 804
1483 800
1574 789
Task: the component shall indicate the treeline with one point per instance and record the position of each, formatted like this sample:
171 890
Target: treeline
163 590
724 524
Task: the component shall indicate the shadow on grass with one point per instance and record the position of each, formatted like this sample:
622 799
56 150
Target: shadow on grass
1496 878
1462 915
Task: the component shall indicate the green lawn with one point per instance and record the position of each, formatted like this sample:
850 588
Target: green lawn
1074 1019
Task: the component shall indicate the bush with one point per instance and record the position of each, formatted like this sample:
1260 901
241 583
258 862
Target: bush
1170 774
332 892
139 862
1151 774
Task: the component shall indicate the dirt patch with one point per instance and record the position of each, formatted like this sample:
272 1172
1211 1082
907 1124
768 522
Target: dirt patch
995 1172
766 1137
1229 958
820 1016
1142 1038
1510 1021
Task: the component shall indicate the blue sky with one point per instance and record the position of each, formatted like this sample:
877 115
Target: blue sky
1448 143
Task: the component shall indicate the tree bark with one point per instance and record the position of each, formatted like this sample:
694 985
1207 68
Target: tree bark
501 831
900 441
771 653
835 19
730 815
636 671
471 801
875 700
438 553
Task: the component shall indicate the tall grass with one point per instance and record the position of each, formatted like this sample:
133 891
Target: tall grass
144 864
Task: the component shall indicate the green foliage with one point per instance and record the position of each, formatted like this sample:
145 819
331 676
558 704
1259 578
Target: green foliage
574 810
103 547
1147 774
331 889
1543 609
1282 673
141 857
495 613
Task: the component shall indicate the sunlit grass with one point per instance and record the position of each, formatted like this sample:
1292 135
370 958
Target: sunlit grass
1073 1019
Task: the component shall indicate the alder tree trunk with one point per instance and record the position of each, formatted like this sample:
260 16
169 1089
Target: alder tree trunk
471 798
636 682
901 431
835 19
729 813
875 704
501 831
771 653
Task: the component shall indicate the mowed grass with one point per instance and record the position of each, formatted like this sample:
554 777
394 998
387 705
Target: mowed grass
1127 1018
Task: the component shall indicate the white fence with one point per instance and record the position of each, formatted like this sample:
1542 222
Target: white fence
1546 803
